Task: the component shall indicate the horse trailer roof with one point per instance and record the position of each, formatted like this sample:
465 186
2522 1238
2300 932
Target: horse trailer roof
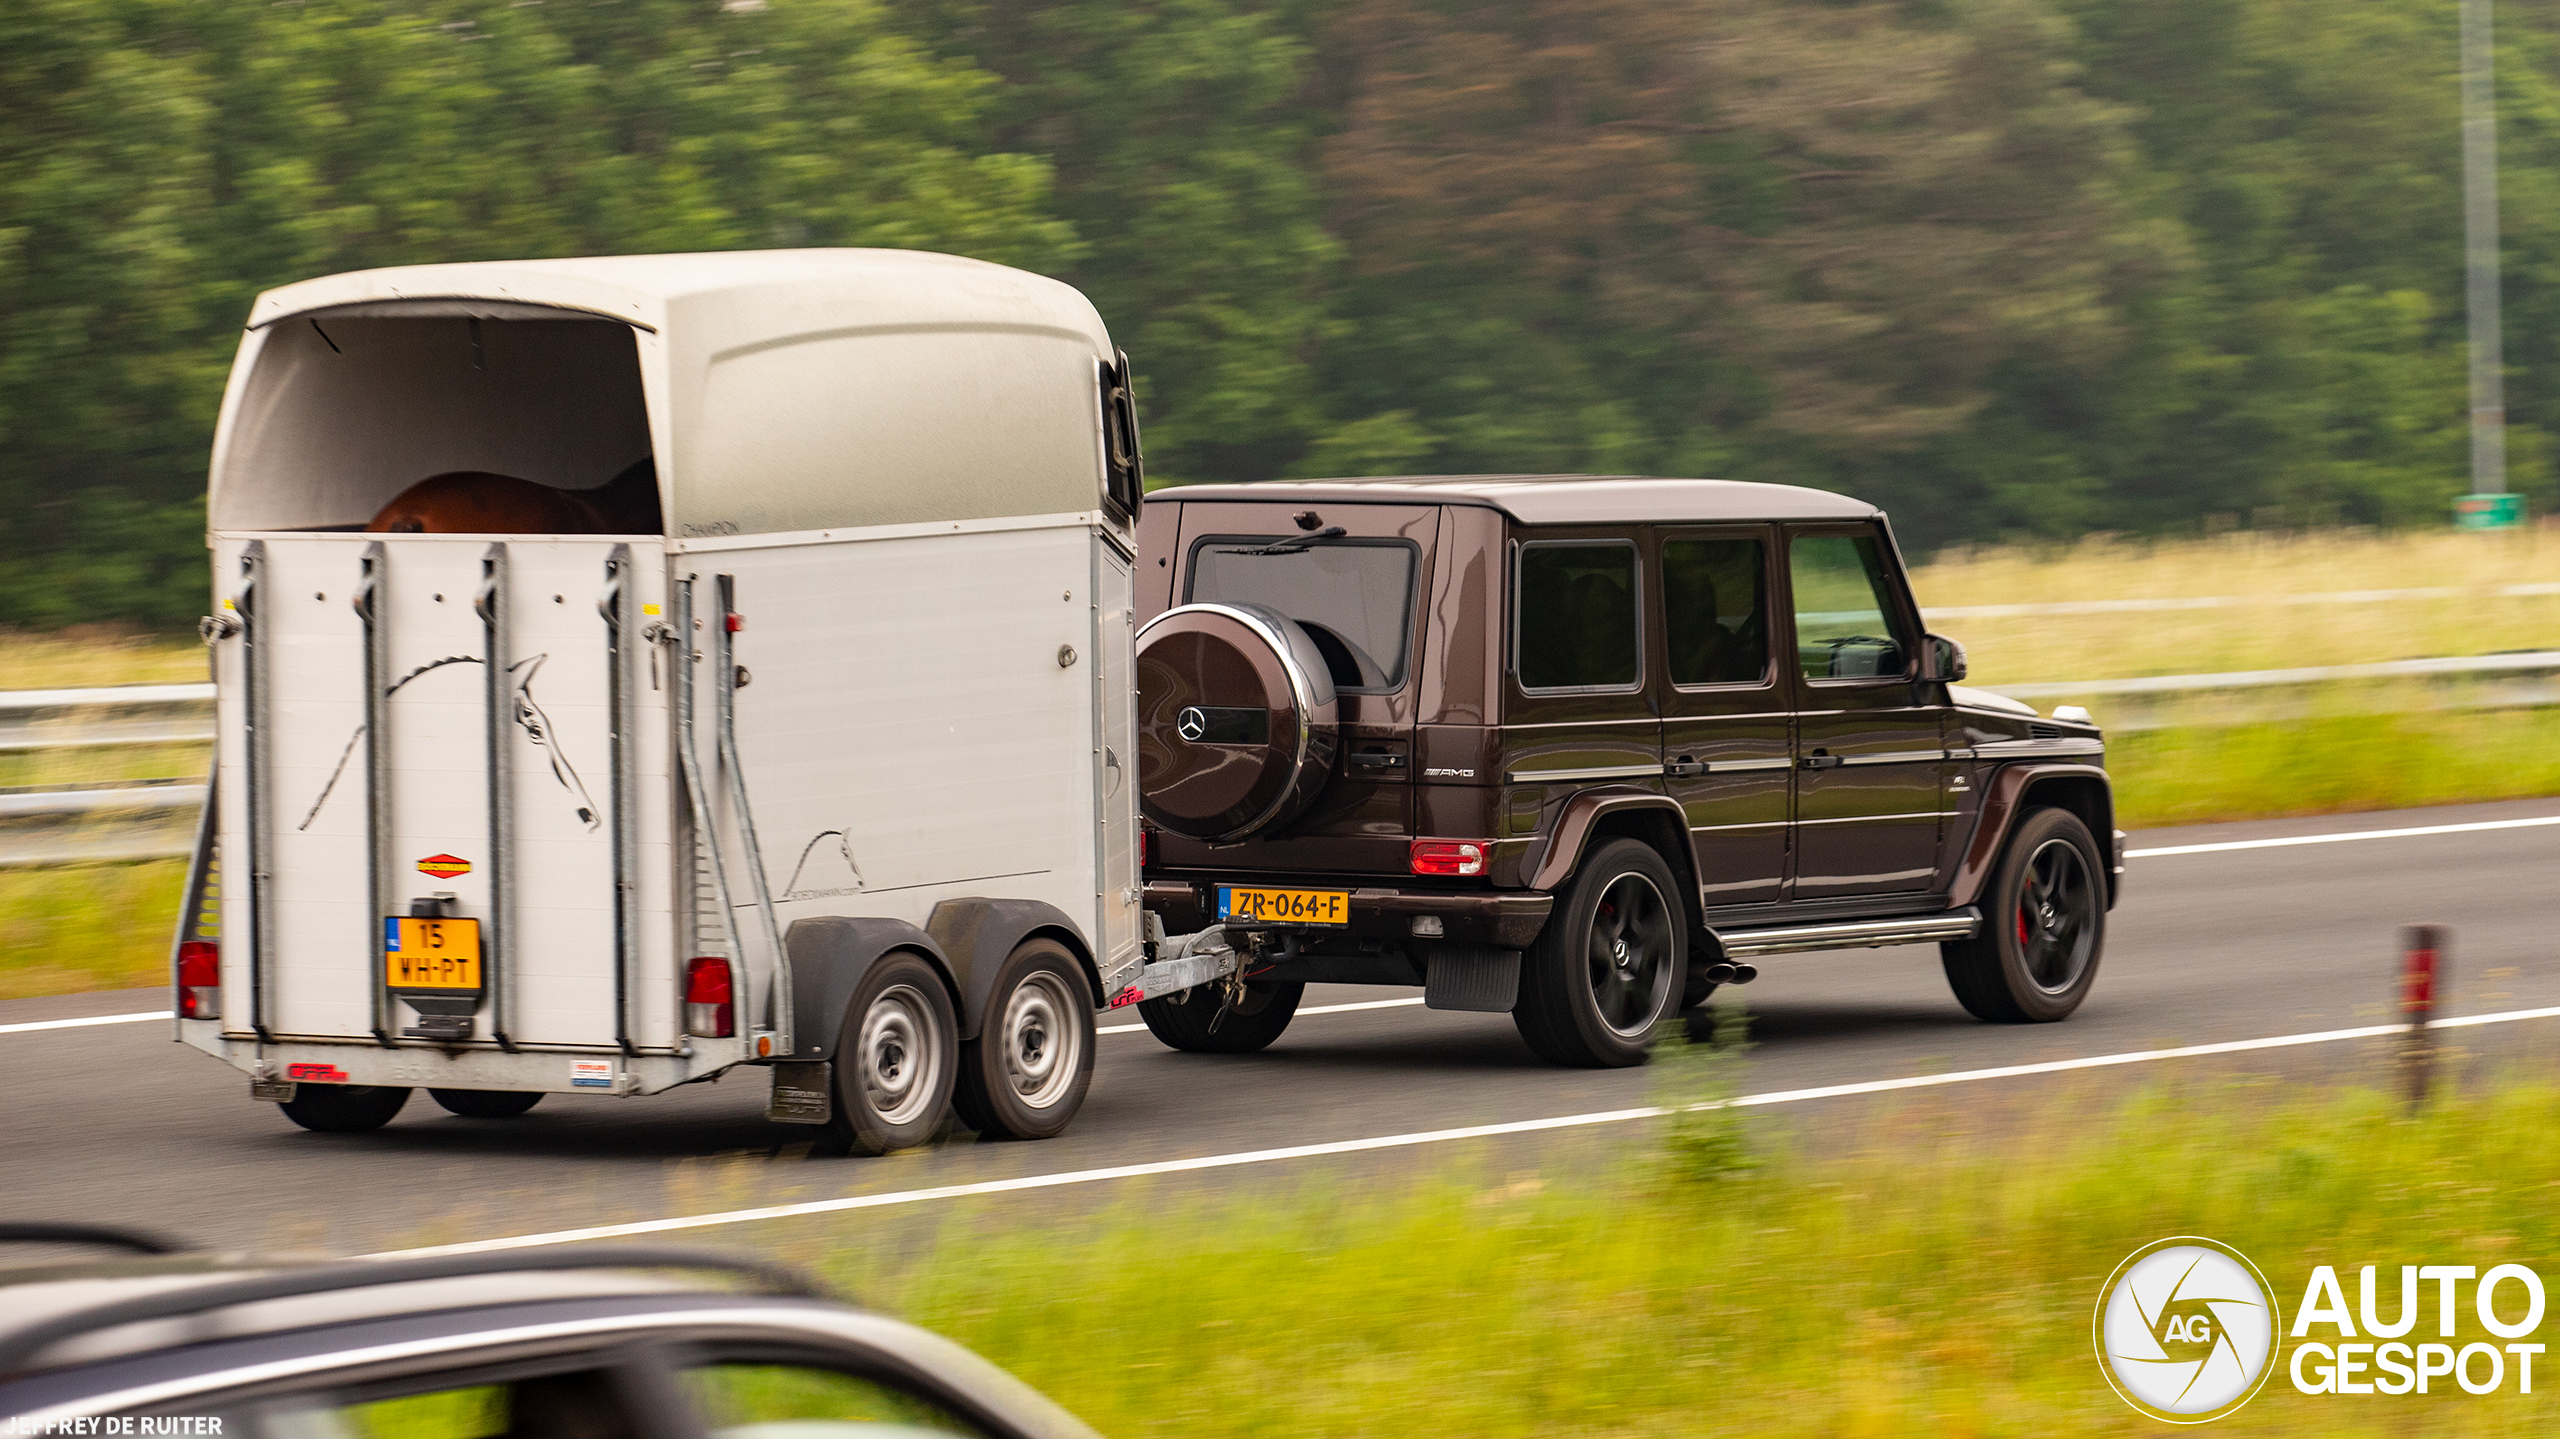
776 391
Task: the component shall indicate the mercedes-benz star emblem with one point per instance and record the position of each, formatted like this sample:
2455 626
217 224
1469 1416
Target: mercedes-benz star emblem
1191 723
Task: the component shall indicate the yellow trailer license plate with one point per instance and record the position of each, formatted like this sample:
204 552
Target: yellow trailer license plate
1238 904
431 953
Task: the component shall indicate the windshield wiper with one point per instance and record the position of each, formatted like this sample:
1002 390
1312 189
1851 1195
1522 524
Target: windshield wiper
1294 543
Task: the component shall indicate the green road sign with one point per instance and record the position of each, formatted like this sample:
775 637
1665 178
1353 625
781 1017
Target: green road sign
2488 512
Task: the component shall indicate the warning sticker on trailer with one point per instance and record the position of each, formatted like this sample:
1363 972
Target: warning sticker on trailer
444 866
591 1073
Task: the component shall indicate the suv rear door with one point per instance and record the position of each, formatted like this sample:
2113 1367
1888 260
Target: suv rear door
1872 758
1728 735
1362 597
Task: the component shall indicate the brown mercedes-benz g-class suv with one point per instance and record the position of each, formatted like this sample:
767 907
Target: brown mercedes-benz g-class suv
1582 749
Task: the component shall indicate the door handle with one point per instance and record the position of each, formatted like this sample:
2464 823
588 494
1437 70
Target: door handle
1684 768
1377 759
1821 759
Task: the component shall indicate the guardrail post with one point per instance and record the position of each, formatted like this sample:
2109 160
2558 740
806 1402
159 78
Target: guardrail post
2422 949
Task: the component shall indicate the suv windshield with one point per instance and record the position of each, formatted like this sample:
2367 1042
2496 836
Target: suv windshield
1354 596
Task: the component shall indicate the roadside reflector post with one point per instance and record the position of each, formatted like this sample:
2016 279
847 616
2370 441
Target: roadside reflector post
2422 949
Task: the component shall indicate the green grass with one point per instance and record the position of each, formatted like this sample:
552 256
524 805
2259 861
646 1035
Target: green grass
87 927
2267 633
1935 1276
2332 764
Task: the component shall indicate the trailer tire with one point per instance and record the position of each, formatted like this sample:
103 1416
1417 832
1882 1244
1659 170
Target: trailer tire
486 1103
1184 1021
897 1057
344 1108
1025 1075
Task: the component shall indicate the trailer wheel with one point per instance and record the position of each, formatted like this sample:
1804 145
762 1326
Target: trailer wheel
896 1058
1025 1075
486 1103
344 1108
1191 1020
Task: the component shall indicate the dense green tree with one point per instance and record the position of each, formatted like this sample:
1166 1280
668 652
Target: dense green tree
2008 266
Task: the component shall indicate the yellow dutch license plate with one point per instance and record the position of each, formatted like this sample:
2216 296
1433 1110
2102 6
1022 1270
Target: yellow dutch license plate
1240 905
431 953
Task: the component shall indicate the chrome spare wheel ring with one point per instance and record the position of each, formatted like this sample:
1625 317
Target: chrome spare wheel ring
1043 1043
1628 962
2056 922
901 1055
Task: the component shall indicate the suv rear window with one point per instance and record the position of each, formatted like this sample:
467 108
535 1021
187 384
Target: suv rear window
1355 597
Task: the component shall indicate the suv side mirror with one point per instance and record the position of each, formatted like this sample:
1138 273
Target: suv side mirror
1941 660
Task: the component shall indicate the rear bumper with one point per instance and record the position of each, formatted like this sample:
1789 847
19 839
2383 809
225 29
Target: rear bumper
1504 919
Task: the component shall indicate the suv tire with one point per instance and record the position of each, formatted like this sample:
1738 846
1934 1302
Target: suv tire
1025 1075
1611 963
1183 1021
2044 926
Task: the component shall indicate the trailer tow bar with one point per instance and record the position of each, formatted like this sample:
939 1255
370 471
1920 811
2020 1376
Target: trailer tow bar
1189 962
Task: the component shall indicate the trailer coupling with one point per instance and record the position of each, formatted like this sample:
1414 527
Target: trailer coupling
1186 963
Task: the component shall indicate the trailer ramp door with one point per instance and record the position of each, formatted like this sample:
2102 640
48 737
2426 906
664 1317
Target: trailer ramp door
360 719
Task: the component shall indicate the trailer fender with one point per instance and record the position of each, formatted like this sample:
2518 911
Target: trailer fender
828 956
979 933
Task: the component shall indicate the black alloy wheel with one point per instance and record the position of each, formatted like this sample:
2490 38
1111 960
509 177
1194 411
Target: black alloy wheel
2044 926
1610 964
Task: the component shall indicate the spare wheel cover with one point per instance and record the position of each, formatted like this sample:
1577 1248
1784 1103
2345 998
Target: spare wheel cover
1236 720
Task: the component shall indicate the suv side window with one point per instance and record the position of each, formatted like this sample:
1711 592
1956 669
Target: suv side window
1846 624
1715 605
1576 625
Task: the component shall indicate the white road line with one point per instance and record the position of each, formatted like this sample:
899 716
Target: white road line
2473 828
1311 1009
1432 1136
85 1023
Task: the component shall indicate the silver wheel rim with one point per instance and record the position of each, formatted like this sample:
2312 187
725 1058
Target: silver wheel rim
2056 922
1043 1043
1627 961
900 1055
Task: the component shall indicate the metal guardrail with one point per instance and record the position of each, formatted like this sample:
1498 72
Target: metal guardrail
2525 662
182 714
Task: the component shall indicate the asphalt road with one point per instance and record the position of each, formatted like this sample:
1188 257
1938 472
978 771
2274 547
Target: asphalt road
116 1123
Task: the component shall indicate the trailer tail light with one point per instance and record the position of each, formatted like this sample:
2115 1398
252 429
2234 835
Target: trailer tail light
1146 847
709 1008
1448 856
199 980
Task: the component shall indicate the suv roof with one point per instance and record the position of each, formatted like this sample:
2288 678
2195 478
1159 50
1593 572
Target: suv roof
1557 499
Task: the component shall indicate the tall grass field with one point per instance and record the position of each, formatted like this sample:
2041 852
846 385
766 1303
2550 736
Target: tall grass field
1936 1274
2296 600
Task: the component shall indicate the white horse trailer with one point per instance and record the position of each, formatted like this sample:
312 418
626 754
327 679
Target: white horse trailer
833 774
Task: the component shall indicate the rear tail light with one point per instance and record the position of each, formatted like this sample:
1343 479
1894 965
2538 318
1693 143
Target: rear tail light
1146 848
1448 856
709 1008
199 980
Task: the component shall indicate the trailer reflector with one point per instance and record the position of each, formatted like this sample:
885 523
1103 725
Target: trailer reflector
199 980
710 1011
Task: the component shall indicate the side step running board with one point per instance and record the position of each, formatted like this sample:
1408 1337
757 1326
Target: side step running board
1848 934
